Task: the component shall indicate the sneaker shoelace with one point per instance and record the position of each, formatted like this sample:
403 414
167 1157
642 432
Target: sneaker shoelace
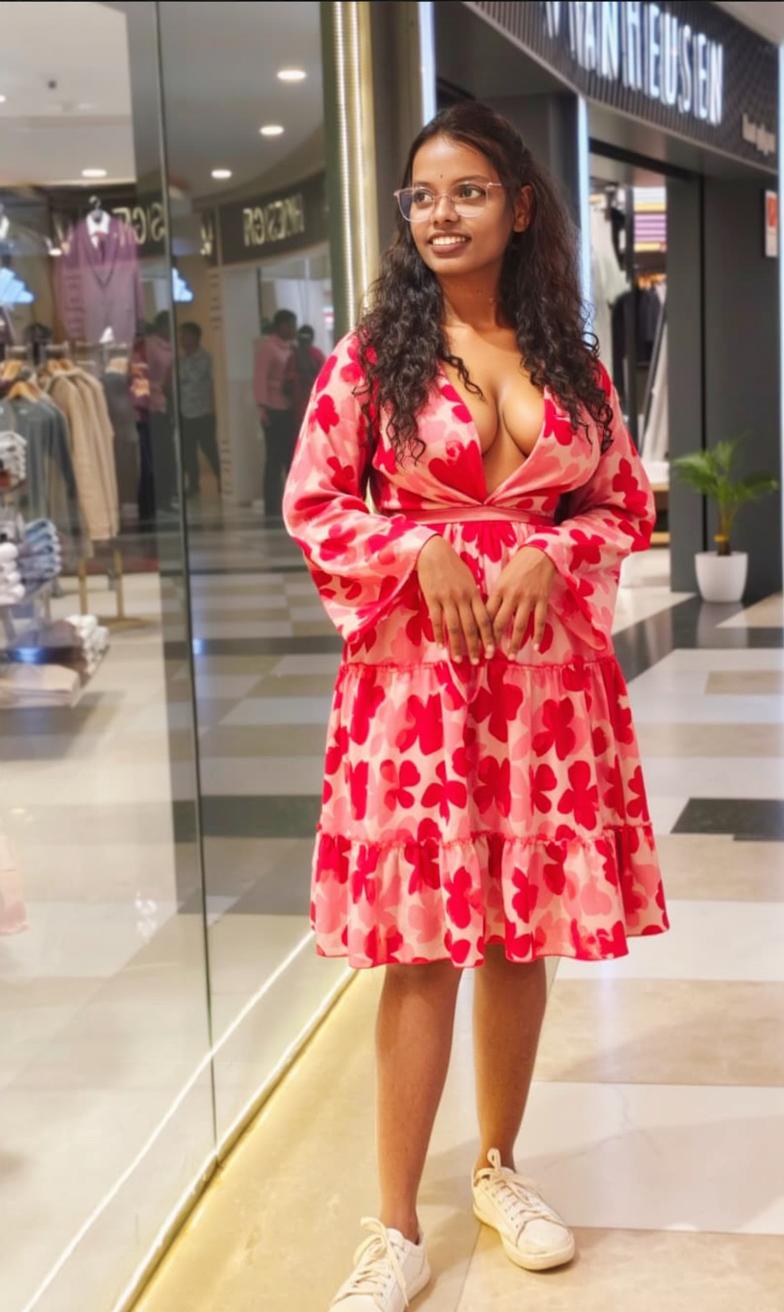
517 1196
373 1260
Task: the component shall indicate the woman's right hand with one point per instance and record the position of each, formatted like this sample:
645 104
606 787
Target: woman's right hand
457 610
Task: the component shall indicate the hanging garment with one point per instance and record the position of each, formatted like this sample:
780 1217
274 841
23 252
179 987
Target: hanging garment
97 285
122 415
91 449
465 805
608 282
50 491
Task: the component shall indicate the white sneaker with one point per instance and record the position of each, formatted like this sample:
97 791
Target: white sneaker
388 1271
532 1233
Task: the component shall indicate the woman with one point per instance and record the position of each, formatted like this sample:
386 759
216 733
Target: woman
483 802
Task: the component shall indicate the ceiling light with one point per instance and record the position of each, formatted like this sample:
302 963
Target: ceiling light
221 174
94 173
271 130
291 74
2 100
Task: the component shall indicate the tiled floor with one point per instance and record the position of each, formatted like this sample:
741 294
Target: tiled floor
656 1121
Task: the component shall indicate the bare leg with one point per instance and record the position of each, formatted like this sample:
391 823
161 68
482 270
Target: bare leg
413 1042
509 1005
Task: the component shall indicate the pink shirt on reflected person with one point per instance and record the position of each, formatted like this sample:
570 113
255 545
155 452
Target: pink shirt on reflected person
269 367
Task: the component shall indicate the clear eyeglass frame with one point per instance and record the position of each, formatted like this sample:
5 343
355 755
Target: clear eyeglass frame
464 207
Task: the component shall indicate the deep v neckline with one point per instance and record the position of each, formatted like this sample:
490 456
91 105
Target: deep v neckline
471 424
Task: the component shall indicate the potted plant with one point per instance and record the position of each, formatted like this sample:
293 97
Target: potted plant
721 574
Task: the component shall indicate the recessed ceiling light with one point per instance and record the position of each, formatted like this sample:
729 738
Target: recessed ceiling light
94 173
221 174
271 130
2 100
291 74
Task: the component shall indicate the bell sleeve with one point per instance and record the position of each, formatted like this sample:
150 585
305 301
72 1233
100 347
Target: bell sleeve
360 562
612 515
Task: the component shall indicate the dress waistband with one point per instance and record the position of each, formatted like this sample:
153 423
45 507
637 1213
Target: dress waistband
458 514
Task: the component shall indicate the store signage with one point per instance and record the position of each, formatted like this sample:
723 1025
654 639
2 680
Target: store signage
683 66
771 224
280 221
648 48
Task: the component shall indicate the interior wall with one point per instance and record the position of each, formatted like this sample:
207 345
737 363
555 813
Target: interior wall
742 360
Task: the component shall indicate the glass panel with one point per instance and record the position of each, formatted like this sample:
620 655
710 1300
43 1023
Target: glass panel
106 1100
251 237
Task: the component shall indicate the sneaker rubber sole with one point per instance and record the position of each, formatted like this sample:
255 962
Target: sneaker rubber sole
530 1261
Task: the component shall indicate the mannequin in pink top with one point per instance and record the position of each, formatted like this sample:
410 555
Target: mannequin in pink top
275 407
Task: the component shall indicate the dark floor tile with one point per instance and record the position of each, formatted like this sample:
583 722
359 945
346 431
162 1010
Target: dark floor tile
251 817
742 817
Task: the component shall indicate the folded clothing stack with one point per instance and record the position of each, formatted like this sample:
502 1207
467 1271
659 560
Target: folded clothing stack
11 586
13 460
93 640
27 686
40 554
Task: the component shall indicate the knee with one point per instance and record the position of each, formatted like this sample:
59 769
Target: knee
430 975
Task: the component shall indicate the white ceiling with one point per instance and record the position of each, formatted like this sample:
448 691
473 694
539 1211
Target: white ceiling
219 77
767 18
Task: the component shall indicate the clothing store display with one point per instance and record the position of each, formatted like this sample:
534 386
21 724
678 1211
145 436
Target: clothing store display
270 360
13 460
50 490
389 1271
40 554
80 398
466 805
533 1235
97 283
608 281
12 589
36 686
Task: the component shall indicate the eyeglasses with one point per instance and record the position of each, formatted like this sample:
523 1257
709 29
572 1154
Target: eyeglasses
417 204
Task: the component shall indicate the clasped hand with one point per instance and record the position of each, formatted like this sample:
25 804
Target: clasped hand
460 617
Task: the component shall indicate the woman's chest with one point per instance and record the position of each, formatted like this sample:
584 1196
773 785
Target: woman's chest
506 409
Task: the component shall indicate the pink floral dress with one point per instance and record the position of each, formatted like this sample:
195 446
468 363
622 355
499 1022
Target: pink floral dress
465 805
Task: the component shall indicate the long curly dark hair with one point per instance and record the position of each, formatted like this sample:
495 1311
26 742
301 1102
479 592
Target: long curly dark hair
401 337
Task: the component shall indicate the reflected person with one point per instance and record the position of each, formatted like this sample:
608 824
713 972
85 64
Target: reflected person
197 407
275 408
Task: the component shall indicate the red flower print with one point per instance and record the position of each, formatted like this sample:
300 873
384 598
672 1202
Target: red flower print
612 944
490 539
517 946
498 703
326 373
358 787
337 541
324 413
494 786
582 797
586 548
336 750
424 725
543 781
526 897
333 857
557 719
557 425
459 408
344 477
363 883
445 792
613 796
639 805
598 741
420 627
553 871
463 757
401 781
635 498
462 898
369 696
458 948
423 854
607 856
575 676
397 527
381 946
546 640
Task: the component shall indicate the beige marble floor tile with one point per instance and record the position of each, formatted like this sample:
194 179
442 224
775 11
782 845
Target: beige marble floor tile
684 740
637 1271
249 741
713 867
768 613
744 682
664 1032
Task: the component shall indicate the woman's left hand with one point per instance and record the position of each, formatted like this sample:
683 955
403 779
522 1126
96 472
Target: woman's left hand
523 587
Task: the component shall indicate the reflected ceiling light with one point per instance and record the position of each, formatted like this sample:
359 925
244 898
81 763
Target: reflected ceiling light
271 130
291 74
94 173
221 174
2 100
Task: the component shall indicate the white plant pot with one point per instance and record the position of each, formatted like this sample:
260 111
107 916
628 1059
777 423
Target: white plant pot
721 578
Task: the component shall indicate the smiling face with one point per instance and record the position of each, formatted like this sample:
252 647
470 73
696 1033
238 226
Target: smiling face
449 243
